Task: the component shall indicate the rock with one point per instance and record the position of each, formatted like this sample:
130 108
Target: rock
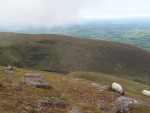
28 82
95 84
17 87
10 72
44 86
102 107
51 102
33 75
8 68
123 104
75 110
105 88
62 97
36 83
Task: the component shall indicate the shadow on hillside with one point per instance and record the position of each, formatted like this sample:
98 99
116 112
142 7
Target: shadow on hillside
55 71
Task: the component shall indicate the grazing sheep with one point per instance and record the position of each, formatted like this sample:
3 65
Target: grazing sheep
146 93
117 88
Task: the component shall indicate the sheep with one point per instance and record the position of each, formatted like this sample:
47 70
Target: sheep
117 88
146 93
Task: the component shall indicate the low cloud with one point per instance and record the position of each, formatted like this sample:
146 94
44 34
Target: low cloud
57 12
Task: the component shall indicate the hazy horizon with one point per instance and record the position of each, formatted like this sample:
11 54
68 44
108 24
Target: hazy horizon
50 13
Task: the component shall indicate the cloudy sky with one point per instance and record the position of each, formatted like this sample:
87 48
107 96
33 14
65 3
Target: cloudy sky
56 12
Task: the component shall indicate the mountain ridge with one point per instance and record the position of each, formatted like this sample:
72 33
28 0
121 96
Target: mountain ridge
65 53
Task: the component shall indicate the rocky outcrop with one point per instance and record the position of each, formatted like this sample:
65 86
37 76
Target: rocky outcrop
106 88
9 72
16 87
46 105
33 75
101 106
35 82
123 105
95 84
8 68
75 110
51 102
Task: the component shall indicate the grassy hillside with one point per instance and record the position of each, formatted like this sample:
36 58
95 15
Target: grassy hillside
66 92
136 33
63 53
100 78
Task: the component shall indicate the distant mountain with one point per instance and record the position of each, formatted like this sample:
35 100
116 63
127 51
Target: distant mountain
64 53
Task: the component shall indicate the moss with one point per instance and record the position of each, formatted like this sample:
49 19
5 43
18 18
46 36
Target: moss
16 69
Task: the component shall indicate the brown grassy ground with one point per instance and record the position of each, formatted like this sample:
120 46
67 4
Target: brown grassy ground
77 92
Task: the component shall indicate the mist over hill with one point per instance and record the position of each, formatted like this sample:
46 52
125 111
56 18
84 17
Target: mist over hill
131 31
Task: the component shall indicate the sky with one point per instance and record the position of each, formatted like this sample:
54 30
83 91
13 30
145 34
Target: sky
59 12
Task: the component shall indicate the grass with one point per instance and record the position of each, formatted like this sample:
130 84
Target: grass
128 85
77 92
12 101
137 35
64 53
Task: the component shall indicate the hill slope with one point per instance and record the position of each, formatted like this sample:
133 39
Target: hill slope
63 53
100 78
19 92
136 34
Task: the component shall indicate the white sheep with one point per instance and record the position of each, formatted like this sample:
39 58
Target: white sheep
146 93
117 88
